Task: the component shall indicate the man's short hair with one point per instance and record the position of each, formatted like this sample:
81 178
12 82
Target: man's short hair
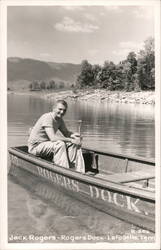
64 103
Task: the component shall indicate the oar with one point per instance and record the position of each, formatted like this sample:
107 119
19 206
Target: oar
79 126
79 129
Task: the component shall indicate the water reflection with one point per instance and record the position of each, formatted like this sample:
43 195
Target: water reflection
122 128
118 127
56 214
40 209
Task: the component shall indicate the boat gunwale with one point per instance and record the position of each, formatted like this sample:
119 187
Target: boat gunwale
122 156
117 187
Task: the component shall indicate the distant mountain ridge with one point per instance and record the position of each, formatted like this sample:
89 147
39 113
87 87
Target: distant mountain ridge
28 70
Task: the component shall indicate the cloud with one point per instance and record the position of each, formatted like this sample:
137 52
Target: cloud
93 52
126 47
123 52
72 8
117 9
89 17
45 55
102 13
131 45
144 12
69 25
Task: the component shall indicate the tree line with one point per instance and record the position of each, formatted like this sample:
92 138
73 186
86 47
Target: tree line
136 72
45 85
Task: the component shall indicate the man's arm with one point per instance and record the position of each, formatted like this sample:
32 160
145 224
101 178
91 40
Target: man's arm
68 133
53 137
63 129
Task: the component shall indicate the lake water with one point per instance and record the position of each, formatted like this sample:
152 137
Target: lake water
36 210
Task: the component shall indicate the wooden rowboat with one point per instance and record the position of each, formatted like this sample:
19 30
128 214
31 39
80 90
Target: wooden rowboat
124 188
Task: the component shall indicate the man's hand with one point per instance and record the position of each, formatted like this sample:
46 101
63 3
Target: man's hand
76 141
76 136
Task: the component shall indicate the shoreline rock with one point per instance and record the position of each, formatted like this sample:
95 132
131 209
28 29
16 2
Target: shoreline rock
97 95
147 97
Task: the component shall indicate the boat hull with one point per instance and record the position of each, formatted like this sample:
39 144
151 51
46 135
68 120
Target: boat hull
128 204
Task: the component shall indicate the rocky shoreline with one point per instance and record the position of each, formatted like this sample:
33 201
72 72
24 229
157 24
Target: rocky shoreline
146 97
97 95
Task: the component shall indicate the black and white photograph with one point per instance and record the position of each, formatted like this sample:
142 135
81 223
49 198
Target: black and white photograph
80 145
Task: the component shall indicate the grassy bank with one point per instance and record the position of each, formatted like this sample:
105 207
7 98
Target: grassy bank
97 95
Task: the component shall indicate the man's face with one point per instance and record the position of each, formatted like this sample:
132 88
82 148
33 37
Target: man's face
59 110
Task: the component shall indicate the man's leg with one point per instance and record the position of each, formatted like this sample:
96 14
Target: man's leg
75 157
60 154
57 149
64 154
71 152
44 149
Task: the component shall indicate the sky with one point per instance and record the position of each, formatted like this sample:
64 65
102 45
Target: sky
71 34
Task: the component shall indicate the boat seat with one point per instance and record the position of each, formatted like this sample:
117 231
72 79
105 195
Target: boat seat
129 176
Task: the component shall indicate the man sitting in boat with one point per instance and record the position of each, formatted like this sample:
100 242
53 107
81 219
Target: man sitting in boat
65 149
